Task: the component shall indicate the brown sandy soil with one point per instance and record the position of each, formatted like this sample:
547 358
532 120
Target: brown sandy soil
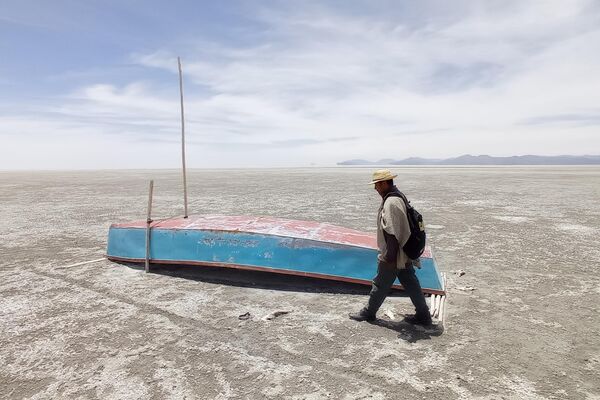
527 239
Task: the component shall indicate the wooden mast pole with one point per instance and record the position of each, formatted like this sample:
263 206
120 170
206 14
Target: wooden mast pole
185 200
148 222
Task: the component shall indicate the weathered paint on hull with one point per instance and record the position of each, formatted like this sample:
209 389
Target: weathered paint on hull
301 248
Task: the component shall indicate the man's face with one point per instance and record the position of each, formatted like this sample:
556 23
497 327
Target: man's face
381 187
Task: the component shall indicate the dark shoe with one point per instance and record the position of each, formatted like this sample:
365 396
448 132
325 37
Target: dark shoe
418 319
362 315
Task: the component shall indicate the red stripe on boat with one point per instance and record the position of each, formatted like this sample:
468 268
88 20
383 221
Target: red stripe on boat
310 230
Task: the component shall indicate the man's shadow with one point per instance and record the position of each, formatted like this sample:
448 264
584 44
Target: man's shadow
410 332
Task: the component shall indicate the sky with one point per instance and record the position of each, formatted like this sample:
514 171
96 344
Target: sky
94 84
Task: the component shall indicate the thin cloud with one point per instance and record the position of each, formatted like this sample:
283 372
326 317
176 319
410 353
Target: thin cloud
570 119
427 80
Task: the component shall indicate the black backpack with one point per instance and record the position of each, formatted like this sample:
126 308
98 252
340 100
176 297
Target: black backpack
415 245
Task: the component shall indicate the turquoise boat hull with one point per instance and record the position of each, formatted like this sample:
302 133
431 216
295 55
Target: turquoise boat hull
261 243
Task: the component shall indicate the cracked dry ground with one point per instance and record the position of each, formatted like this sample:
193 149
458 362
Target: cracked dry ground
525 237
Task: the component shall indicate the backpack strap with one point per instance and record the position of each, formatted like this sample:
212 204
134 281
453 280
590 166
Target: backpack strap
397 193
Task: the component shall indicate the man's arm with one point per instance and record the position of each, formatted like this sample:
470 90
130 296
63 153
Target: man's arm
392 247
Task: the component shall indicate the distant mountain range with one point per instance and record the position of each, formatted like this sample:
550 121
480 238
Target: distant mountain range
468 159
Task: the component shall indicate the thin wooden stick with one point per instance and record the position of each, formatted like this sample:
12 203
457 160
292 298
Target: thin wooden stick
442 307
82 263
431 305
185 201
148 221
444 301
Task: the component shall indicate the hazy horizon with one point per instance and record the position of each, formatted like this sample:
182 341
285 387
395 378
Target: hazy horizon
368 168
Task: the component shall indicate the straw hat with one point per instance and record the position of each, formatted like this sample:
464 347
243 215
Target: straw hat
382 175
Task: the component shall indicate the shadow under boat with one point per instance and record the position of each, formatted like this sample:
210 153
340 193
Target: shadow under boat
292 283
259 279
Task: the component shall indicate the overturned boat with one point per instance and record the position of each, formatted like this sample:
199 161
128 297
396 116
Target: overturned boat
269 244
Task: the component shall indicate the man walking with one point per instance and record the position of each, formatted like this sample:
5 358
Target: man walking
393 231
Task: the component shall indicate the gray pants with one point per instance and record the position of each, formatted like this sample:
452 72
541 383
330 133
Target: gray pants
382 283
